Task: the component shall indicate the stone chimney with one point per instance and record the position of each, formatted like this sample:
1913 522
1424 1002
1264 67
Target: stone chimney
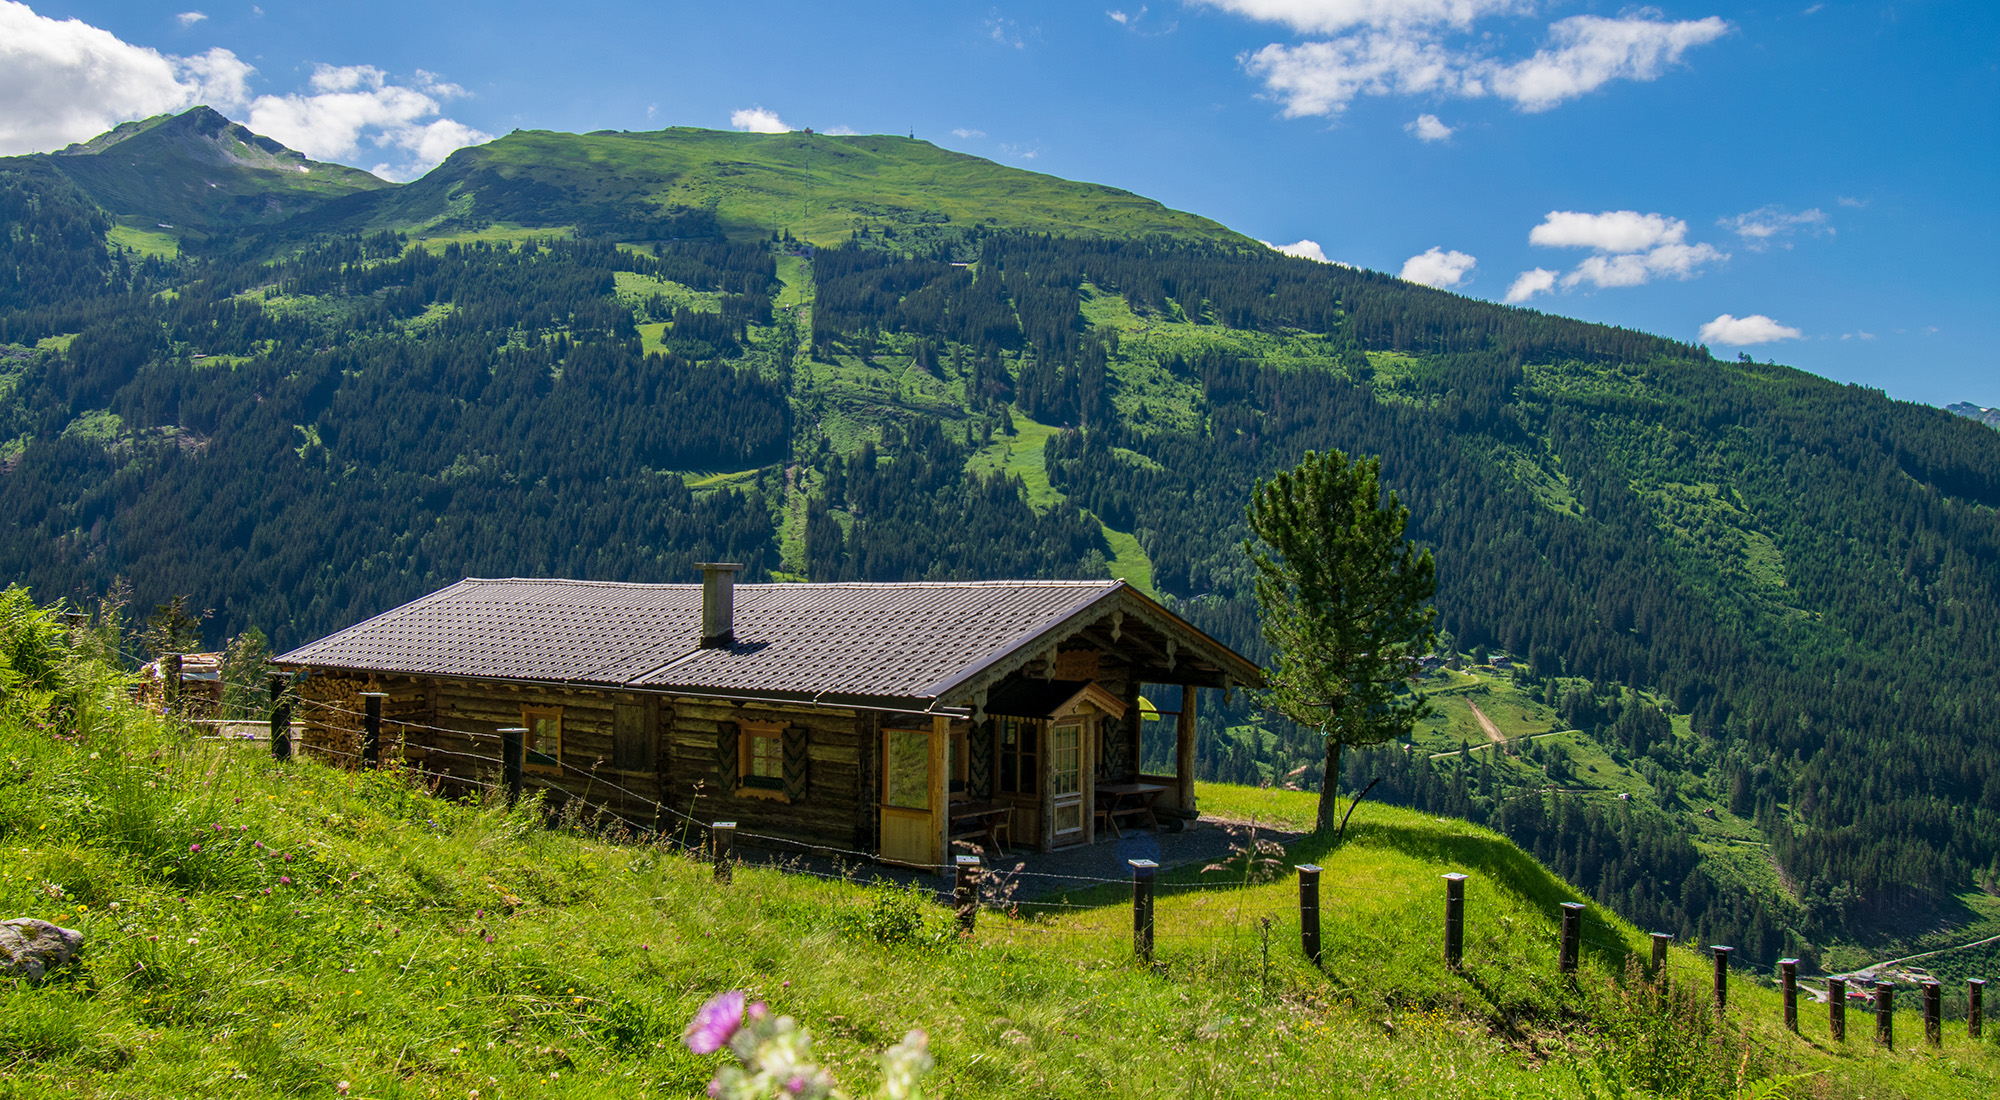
718 604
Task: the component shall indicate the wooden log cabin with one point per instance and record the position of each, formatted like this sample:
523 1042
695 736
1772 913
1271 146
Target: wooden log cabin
868 718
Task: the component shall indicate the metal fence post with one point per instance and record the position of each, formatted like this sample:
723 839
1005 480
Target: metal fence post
1721 977
1309 911
510 760
1885 1014
281 720
1975 993
1660 942
965 892
1836 1009
1454 919
1788 978
1142 907
1572 936
371 728
1933 1013
722 844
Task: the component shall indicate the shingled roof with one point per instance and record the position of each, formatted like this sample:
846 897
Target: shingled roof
924 646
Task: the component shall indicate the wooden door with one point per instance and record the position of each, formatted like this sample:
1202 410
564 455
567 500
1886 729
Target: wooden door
913 802
1068 813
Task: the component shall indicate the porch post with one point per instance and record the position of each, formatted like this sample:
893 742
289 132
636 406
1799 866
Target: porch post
1184 726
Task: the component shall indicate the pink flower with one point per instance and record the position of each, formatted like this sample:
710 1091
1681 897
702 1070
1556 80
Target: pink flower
284 880
194 847
715 1022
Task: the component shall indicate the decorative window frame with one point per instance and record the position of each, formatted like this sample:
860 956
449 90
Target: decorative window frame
531 742
749 785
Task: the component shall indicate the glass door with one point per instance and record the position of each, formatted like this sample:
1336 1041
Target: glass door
913 797
1066 782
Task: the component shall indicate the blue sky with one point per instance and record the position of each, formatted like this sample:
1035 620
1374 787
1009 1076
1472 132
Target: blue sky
1815 177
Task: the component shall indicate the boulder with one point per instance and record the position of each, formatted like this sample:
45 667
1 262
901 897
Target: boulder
33 949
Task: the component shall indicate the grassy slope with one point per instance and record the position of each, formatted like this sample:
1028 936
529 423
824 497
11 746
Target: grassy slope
819 187
423 948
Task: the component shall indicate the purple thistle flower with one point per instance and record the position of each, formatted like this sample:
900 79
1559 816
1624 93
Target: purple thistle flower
715 1022
284 880
795 1085
194 847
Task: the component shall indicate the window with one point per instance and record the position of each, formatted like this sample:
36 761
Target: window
760 759
542 744
906 764
634 745
1019 757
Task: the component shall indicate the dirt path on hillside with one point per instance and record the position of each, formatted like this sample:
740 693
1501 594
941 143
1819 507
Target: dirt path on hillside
1493 733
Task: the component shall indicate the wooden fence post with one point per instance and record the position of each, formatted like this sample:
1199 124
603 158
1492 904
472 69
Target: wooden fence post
170 680
371 728
1660 942
1721 977
1788 978
722 846
1885 1014
1309 911
1975 993
281 720
510 760
1836 1009
1142 907
1572 936
965 892
1454 919
1933 1013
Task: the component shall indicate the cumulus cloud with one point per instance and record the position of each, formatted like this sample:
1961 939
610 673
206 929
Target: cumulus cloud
1631 249
1530 283
1438 268
1745 331
968 135
1307 250
1428 128
350 108
1764 226
757 120
840 131
66 81
1611 231
1403 47
190 18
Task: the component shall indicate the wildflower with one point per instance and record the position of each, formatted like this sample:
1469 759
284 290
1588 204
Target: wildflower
284 880
193 848
342 1087
258 844
715 1023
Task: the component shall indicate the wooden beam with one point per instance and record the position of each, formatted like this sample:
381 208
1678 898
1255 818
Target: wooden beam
1184 734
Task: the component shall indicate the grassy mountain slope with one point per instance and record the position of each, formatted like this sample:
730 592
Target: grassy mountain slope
1732 589
819 187
199 174
263 929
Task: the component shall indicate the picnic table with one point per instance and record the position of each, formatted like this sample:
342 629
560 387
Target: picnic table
1115 800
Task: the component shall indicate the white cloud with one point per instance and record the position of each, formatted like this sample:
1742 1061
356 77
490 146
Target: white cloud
1126 19
1400 48
1744 331
1851 203
1611 231
840 131
1530 283
968 135
66 81
1591 51
1857 334
757 120
355 105
1005 32
1330 16
1761 226
1631 248
1428 128
1438 268
190 18
1306 250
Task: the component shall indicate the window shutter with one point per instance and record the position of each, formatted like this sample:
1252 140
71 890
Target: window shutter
796 739
728 759
980 772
